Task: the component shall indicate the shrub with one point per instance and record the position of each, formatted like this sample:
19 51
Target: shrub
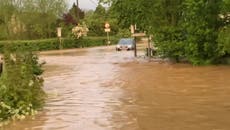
53 44
224 41
124 33
20 84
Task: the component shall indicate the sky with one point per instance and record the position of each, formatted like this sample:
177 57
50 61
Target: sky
85 4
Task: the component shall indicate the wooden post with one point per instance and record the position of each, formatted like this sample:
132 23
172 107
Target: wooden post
135 35
135 46
1 65
149 48
60 43
108 40
132 29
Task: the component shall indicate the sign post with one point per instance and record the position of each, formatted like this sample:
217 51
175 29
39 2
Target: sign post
132 29
59 37
107 30
135 35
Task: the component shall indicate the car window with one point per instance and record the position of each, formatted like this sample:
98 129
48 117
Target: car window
126 42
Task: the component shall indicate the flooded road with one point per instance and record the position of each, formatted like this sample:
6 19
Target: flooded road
101 89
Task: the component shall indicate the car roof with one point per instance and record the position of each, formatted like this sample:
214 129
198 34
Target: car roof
126 41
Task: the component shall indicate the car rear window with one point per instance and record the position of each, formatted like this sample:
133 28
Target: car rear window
126 41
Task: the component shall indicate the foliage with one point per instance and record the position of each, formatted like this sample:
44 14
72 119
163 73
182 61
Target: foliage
201 25
77 32
74 15
124 33
95 21
224 41
224 35
182 28
29 19
20 84
53 44
80 31
170 43
34 45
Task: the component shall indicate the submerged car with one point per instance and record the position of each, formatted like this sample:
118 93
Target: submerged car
125 44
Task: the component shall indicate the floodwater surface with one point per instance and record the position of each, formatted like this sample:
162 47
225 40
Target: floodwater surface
101 89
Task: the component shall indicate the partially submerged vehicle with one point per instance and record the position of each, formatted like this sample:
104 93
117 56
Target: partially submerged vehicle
125 44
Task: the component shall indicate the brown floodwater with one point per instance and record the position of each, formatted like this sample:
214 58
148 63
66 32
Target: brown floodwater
101 89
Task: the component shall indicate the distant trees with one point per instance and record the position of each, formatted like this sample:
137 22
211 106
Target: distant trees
71 19
182 28
74 15
96 21
33 19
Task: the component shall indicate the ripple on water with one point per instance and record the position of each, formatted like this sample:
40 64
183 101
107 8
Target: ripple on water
100 89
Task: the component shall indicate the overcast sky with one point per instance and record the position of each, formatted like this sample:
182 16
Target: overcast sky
85 4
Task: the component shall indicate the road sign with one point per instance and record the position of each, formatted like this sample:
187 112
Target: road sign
107 25
59 31
107 30
138 34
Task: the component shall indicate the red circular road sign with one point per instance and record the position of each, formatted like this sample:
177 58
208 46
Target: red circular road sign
107 25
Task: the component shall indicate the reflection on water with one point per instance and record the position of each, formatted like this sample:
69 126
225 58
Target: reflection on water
100 89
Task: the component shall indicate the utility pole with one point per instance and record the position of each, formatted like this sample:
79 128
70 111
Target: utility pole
78 9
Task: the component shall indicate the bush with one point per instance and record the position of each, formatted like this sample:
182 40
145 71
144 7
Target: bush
53 44
33 45
224 41
20 84
87 42
124 33
170 43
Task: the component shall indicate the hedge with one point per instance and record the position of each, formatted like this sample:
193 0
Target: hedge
53 44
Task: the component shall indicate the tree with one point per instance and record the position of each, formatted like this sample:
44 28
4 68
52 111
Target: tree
7 10
34 18
182 28
96 20
74 12
202 26
224 35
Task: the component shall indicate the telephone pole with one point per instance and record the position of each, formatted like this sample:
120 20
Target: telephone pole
78 9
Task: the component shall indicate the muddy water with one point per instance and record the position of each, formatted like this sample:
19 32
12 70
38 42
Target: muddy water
100 89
